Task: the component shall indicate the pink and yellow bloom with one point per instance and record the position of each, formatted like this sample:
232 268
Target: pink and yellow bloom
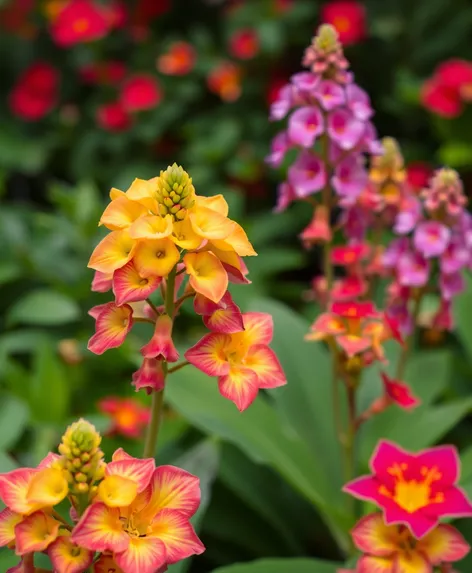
141 517
242 361
393 549
415 490
128 416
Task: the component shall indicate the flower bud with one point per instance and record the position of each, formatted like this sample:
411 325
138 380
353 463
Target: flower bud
175 192
82 456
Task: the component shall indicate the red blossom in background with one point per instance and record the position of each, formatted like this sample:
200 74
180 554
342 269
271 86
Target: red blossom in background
349 19
418 174
224 80
140 92
244 44
113 117
128 416
178 61
36 92
80 21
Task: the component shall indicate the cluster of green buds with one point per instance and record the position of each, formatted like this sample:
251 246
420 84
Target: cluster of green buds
175 192
82 457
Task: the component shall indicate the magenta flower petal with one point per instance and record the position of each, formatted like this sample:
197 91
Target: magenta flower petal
451 285
282 105
344 128
307 175
279 147
455 504
370 142
285 195
364 487
358 102
350 177
394 251
413 270
454 258
329 94
418 523
447 461
431 238
387 453
304 126
306 82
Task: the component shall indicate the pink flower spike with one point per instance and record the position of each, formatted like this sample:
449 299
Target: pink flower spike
344 129
358 102
329 94
413 489
306 82
399 392
350 177
161 344
413 270
112 325
279 147
431 238
305 125
130 286
101 282
150 376
282 105
307 174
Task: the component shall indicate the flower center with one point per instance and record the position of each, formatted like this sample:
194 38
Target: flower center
342 24
81 25
412 495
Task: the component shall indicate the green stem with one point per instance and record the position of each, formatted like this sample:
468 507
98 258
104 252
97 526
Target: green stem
158 397
177 367
153 306
326 194
402 361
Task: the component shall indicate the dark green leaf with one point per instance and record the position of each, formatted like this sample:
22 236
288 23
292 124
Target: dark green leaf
282 566
45 307
13 419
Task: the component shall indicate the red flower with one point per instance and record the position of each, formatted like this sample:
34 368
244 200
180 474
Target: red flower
35 93
244 44
418 174
113 117
225 81
103 73
140 92
440 98
455 73
179 60
128 416
349 19
117 14
80 21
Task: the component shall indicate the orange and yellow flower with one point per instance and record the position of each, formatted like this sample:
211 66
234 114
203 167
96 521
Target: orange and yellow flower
141 517
242 361
128 416
393 549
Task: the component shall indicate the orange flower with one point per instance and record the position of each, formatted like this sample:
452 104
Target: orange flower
225 81
179 60
242 361
244 44
128 416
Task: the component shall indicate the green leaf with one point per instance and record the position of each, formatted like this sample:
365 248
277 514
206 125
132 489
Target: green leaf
13 419
7 464
306 400
456 154
45 307
261 434
9 271
7 559
50 390
282 566
427 373
461 308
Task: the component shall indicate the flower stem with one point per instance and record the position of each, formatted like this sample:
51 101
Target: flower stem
158 397
177 367
405 353
326 195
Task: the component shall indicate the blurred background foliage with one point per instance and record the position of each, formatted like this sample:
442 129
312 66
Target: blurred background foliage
271 477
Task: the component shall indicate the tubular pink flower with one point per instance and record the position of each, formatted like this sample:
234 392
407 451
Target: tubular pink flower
161 345
305 125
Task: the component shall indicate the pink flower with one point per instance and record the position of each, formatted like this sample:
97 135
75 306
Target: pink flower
329 94
111 327
280 145
307 174
451 285
344 128
113 117
36 92
80 21
318 230
431 238
358 102
161 345
350 177
140 92
305 84
282 103
149 376
415 490
413 270
394 251
454 258
244 44
441 99
304 126
285 195
399 392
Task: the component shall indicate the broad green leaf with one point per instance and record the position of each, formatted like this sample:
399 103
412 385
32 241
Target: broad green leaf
45 307
13 420
466 465
9 271
282 566
261 434
7 559
202 460
7 463
307 399
50 390
461 310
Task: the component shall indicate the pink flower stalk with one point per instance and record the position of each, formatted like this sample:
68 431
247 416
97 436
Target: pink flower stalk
415 490
445 191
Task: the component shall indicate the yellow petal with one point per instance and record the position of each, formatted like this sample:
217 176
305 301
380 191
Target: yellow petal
156 257
207 275
143 192
121 213
113 252
184 236
209 224
48 487
151 227
117 491
215 203
237 241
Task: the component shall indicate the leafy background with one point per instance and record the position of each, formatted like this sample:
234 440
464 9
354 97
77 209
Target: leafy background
271 477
